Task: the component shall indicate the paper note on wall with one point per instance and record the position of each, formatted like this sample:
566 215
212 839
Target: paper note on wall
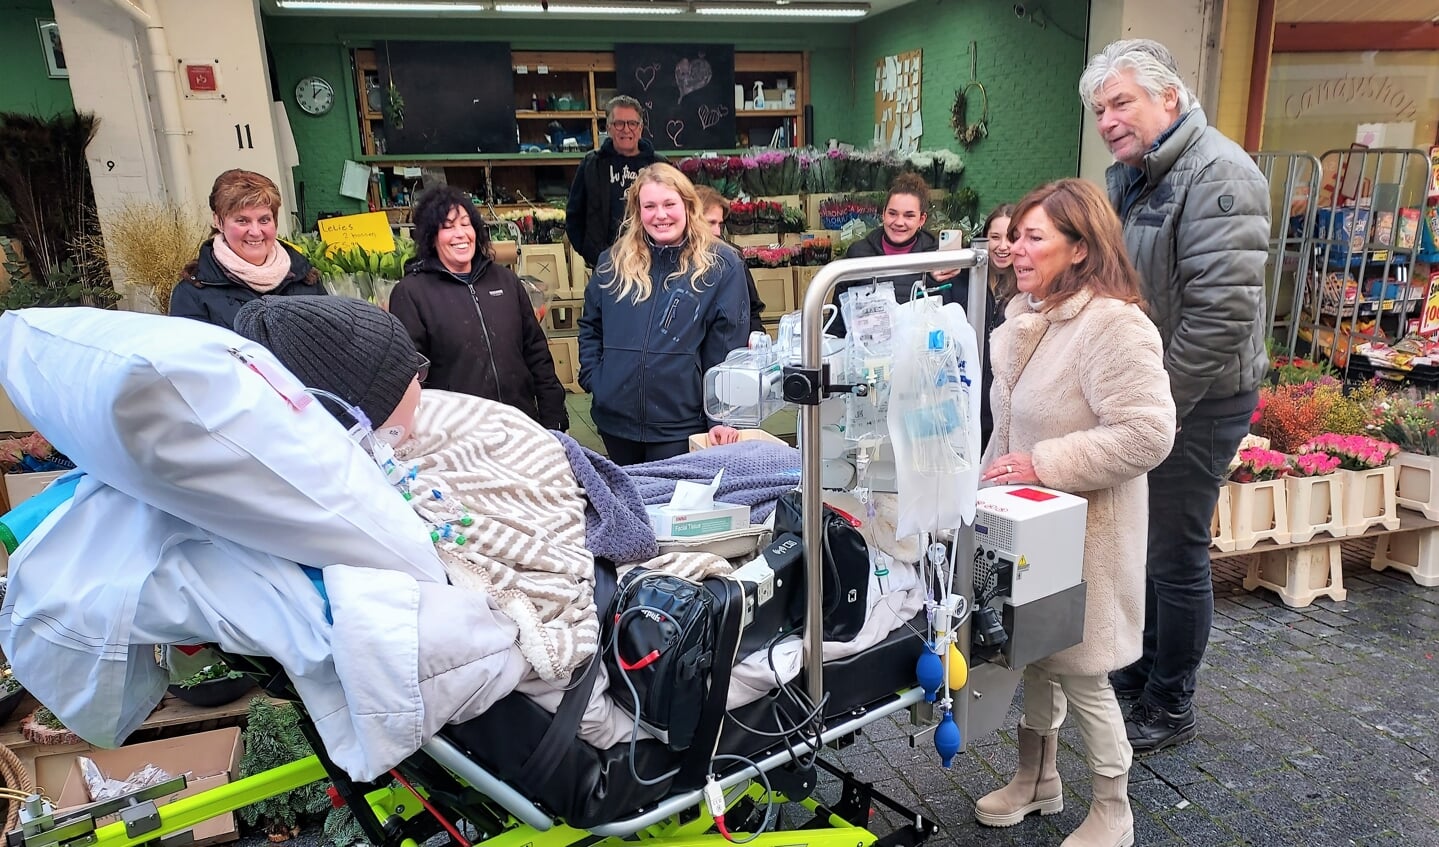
370 230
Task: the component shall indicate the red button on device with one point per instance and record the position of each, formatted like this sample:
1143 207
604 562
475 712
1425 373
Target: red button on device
1033 494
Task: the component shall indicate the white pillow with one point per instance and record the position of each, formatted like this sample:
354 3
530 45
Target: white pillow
159 408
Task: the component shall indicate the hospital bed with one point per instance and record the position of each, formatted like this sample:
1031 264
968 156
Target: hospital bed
471 783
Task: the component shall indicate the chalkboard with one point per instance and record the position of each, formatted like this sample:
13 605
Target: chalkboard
458 97
687 91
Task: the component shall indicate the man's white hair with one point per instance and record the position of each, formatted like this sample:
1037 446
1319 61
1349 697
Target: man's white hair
1152 64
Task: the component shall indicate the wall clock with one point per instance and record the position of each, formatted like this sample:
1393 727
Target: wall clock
314 95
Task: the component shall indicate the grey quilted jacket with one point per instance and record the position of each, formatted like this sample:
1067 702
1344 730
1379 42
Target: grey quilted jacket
1199 236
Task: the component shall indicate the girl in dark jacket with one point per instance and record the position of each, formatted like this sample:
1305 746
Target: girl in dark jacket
243 261
667 302
472 317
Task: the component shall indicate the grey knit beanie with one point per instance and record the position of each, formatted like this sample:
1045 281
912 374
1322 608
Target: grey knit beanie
338 344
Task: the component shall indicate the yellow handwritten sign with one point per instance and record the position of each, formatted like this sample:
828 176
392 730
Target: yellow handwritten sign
370 230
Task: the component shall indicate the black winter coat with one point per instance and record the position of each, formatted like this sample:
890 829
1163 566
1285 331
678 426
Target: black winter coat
207 292
481 337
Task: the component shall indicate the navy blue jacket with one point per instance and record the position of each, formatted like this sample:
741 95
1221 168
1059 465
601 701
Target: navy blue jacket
645 362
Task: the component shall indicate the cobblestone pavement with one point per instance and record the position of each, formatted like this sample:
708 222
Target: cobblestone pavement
1317 726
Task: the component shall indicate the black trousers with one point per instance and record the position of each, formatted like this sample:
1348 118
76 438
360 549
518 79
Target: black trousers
623 451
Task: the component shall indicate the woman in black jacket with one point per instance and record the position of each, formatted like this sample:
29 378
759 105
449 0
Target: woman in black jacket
243 261
472 317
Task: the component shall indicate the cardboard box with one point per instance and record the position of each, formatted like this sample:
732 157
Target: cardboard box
723 517
207 759
22 486
701 440
566 354
759 239
10 418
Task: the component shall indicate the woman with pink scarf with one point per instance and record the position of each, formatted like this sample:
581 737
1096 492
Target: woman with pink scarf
243 260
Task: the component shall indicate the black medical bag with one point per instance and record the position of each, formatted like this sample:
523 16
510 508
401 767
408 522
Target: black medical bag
846 565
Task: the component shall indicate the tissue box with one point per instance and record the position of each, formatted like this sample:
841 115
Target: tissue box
681 523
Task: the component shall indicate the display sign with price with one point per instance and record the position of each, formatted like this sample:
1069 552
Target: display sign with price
1429 323
370 230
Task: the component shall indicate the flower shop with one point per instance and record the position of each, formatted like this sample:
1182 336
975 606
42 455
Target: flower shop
1329 461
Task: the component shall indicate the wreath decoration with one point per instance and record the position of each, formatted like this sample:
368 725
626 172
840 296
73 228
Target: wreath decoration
969 133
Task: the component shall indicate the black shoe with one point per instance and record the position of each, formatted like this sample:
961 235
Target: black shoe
1152 728
1126 685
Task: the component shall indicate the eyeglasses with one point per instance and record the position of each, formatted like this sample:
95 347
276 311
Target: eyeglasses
422 373
625 124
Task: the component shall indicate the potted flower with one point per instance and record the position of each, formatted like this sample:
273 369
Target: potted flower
817 251
1316 497
768 214
43 727
1412 422
213 685
11 692
1257 497
1369 481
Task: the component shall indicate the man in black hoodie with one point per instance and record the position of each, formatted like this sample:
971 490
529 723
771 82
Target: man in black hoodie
597 198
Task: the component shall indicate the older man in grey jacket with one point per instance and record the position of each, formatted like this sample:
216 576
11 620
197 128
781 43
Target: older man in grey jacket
1195 210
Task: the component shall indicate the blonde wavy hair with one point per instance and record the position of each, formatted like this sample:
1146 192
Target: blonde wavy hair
630 255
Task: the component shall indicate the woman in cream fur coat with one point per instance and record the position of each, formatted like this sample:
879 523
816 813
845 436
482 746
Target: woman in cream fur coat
1081 404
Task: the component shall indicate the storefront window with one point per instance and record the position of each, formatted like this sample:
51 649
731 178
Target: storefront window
1326 101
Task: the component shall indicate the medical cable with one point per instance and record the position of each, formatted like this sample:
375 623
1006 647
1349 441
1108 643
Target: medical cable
635 696
716 803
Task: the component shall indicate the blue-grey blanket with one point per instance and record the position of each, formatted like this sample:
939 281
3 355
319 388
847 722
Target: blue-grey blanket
616 524
756 474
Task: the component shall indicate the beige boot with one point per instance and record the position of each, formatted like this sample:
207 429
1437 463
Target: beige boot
1035 786
1110 822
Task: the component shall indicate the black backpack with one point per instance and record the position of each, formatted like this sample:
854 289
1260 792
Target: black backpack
846 565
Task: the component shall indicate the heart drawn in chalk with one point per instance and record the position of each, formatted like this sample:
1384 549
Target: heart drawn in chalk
645 75
673 129
710 115
691 75
650 104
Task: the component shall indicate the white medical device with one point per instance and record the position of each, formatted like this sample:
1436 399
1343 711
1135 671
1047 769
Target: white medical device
1029 571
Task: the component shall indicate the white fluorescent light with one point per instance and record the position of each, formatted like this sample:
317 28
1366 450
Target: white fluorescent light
376 6
784 11
638 9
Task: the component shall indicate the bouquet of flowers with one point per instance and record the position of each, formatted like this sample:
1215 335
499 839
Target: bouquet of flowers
940 168
767 215
538 225
873 170
822 169
816 251
774 172
31 454
741 220
1257 464
1292 370
768 257
1313 464
1354 452
792 219
1290 415
1409 420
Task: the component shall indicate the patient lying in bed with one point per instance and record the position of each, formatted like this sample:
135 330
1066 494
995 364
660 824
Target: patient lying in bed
198 562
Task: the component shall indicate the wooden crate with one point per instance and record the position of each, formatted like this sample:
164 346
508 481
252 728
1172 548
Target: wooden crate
759 239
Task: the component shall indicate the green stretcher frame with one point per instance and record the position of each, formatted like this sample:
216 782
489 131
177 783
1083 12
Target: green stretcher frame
399 802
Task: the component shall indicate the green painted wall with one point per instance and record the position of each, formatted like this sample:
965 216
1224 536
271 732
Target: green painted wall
27 86
304 45
1030 73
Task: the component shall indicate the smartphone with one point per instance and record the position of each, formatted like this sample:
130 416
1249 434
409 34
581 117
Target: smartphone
951 239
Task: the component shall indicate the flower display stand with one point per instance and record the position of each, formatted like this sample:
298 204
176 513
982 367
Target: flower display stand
1316 505
1417 483
1370 499
1416 553
1222 526
1299 574
1260 512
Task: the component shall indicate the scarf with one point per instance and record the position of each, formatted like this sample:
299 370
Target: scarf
261 278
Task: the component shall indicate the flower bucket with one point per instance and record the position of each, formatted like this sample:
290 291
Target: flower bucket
1260 512
1370 499
1299 574
1316 505
1222 525
1417 483
1415 553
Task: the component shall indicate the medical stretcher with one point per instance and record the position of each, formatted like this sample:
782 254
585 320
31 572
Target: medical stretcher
470 781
